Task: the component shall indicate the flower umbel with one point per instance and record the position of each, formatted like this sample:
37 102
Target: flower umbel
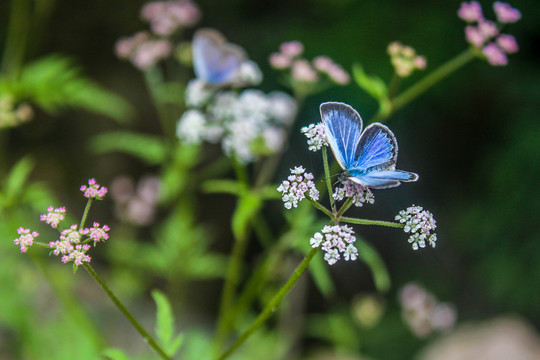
54 216
485 35
94 190
336 241
360 194
25 239
296 186
423 312
404 59
316 136
419 223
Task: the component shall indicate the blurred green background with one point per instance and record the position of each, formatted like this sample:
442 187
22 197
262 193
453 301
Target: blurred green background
474 139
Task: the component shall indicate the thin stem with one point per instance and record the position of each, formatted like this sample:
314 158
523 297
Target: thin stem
427 82
17 36
226 308
322 208
154 79
327 178
344 207
270 308
241 173
371 222
85 213
145 335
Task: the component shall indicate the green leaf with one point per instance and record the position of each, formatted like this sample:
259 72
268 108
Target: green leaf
371 257
223 186
151 149
164 321
373 85
17 177
115 354
54 82
247 207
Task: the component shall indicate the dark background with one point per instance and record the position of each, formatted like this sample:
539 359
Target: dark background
474 138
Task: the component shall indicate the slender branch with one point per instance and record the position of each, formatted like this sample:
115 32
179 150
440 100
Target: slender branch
371 222
427 82
85 213
146 336
327 178
270 308
321 207
344 207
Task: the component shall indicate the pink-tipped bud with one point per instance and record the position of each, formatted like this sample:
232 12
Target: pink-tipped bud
506 14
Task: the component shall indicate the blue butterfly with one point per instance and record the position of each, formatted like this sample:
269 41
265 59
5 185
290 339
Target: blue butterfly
216 62
369 157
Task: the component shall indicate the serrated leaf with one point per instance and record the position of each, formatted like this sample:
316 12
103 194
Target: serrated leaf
164 318
54 82
371 84
151 149
115 354
371 257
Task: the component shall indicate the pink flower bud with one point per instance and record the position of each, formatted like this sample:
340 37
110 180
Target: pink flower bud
470 12
506 13
507 43
292 48
494 55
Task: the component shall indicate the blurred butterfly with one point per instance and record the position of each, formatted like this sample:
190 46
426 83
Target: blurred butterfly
216 61
369 157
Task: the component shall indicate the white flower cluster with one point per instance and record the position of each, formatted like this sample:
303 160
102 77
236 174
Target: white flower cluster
249 125
360 194
316 136
336 240
420 224
423 312
296 186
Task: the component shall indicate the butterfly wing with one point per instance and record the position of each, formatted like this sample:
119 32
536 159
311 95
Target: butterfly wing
216 61
343 126
376 157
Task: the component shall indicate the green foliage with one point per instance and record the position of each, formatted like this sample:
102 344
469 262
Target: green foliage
150 149
165 324
54 83
373 260
374 86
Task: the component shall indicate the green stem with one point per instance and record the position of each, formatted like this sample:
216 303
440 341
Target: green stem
327 178
371 222
85 213
344 207
322 208
145 335
154 79
17 36
427 82
270 308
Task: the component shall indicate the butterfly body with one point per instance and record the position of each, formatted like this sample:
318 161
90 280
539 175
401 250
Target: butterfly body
369 157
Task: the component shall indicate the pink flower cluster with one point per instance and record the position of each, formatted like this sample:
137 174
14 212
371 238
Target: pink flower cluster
54 216
165 17
25 239
335 241
296 186
94 190
420 224
73 244
316 136
485 34
423 313
143 51
135 203
404 59
349 189
301 70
